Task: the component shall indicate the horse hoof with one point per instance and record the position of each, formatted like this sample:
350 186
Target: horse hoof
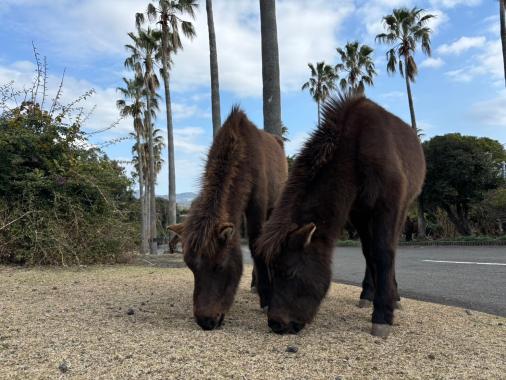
380 330
363 303
397 305
265 309
253 290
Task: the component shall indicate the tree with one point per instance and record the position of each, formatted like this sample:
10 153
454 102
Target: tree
460 170
357 63
213 61
321 82
270 68
502 17
404 30
168 14
142 62
133 91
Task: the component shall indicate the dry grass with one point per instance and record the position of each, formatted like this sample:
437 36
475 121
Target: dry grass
51 316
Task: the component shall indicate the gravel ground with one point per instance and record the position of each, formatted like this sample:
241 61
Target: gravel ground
132 322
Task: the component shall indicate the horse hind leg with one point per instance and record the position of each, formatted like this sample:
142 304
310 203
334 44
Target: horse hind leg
362 223
385 227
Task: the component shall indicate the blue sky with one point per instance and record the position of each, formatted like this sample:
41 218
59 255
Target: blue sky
460 89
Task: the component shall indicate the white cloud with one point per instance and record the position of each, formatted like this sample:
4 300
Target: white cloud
461 45
488 62
491 112
432 63
492 25
184 111
185 140
436 22
372 12
392 95
239 48
295 144
85 30
454 3
103 100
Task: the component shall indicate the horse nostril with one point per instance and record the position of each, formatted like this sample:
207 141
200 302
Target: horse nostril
296 327
207 323
277 327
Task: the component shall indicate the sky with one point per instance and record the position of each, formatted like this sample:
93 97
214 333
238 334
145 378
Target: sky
459 89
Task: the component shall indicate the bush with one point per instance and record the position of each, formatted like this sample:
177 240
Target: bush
62 201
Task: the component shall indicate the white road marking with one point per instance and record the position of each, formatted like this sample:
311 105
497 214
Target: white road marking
462 262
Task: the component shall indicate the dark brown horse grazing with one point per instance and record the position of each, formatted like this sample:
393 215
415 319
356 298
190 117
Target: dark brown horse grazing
245 172
363 163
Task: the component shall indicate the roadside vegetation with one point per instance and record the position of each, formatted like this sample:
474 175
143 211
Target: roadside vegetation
63 201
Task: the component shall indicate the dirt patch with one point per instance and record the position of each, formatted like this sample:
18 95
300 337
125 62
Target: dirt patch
130 322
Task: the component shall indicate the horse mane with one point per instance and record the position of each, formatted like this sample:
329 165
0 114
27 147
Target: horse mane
222 167
317 152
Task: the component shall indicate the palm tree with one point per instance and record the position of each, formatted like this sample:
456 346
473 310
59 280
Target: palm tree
405 29
168 14
158 145
321 83
133 91
270 67
502 17
213 60
141 61
357 63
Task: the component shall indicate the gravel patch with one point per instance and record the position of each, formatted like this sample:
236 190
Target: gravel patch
131 322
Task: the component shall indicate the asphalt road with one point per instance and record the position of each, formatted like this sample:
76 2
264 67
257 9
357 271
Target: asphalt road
469 277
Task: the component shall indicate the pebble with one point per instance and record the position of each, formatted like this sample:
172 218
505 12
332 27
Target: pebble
63 367
292 349
130 311
431 356
468 312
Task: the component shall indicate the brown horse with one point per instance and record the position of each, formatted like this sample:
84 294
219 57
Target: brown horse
245 172
363 163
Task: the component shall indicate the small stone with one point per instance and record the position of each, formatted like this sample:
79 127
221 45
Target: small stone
338 378
431 356
55 288
500 324
63 367
130 311
292 349
468 312
143 303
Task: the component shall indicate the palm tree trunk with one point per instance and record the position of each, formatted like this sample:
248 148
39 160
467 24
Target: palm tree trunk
422 224
410 99
270 67
144 236
151 176
213 58
502 16
147 210
171 219
318 113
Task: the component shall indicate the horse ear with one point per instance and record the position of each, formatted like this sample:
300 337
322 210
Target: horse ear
226 231
303 235
177 229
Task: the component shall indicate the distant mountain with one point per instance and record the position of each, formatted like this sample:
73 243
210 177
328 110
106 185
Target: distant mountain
183 200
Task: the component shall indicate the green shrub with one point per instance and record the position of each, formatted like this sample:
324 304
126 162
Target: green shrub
62 201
